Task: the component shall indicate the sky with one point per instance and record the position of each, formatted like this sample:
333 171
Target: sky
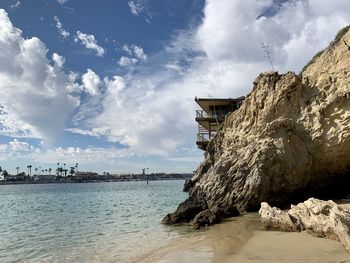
111 84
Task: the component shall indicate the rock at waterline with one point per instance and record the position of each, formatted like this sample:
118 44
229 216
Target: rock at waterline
212 216
194 211
318 217
186 211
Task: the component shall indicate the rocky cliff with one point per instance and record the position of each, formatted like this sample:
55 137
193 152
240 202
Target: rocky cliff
288 141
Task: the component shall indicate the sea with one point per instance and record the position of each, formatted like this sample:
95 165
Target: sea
86 222
120 222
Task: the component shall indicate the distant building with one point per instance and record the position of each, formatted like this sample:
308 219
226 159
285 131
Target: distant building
211 116
85 176
45 178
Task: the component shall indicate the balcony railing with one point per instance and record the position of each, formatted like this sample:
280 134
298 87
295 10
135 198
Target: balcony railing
202 137
216 114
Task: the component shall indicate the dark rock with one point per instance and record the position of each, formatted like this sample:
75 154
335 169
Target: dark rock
212 216
229 211
188 184
186 211
207 217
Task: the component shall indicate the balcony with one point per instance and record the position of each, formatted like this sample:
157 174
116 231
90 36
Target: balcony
202 140
201 114
203 137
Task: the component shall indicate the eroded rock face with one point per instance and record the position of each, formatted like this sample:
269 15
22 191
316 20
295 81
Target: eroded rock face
320 218
289 140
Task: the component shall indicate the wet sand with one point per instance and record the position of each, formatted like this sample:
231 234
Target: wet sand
271 247
241 240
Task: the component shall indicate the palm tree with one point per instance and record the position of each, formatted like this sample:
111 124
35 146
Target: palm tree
17 168
76 167
60 170
50 170
36 170
72 171
5 174
29 170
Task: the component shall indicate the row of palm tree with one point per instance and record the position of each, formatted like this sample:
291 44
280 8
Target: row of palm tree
59 170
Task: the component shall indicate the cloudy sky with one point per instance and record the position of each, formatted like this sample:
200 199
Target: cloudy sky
111 84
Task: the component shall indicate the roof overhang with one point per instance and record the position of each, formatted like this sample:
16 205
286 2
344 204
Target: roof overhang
205 103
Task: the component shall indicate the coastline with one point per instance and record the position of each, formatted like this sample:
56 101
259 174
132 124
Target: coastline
89 181
242 240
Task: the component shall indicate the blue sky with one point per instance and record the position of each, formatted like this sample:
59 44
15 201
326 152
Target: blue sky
111 84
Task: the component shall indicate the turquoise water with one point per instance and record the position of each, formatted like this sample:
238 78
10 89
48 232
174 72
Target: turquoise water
97 222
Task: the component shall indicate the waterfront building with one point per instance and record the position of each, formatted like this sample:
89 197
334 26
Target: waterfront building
48 178
85 176
211 115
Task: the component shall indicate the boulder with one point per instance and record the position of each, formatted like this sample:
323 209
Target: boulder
318 217
212 216
273 218
186 211
206 218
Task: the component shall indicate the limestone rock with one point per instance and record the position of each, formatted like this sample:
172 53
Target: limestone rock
320 218
289 140
275 219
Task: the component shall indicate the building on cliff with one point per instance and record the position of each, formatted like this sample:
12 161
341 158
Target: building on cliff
211 115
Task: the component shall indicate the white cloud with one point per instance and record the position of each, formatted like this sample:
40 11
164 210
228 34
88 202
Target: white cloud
16 4
16 150
64 33
19 146
136 7
127 49
135 53
82 155
238 34
62 1
34 101
126 61
58 60
89 42
91 82
138 52
93 132
154 112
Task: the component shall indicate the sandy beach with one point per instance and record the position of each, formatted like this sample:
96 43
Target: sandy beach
241 240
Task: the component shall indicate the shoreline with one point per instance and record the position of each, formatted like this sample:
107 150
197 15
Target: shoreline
242 240
87 182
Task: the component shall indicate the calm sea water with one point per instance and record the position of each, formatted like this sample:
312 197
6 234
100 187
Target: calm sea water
97 222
